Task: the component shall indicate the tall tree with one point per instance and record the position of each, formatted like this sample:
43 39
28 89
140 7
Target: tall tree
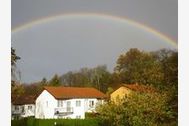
16 88
55 81
44 82
169 63
137 66
97 77
14 59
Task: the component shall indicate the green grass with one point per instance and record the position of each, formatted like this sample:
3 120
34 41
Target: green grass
59 122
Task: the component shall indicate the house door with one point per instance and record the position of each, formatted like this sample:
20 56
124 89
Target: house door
68 106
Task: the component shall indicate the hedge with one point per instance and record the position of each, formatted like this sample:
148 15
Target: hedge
59 122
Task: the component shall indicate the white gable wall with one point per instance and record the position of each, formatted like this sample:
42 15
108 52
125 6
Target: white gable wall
45 105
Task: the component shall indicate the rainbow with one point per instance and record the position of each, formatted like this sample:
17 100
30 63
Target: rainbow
95 16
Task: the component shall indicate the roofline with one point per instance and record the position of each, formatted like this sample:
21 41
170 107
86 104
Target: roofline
25 104
44 88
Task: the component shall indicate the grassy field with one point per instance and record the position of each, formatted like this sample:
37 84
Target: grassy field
55 122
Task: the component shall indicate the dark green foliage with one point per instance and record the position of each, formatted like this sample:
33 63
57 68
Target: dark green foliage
137 66
55 81
98 77
139 109
14 59
169 62
59 122
44 82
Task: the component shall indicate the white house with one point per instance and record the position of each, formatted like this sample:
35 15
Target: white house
22 106
67 102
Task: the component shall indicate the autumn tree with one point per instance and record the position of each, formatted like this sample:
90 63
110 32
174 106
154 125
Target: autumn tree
137 66
169 62
138 109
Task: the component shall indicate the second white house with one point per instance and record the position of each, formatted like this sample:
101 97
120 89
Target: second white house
67 102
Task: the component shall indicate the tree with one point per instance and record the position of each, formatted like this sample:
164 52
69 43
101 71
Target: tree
98 77
32 89
138 109
169 63
17 89
139 67
55 81
14 59
44 82
101 78
109 91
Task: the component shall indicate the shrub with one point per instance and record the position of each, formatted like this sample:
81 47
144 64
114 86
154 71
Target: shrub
139 109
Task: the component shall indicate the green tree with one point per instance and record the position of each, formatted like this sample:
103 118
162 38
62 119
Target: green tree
98 77
14 59
169 63
17 89
138 109
55 81
44 82
101 78
137 66
109 91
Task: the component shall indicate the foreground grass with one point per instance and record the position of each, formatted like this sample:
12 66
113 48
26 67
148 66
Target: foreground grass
55 122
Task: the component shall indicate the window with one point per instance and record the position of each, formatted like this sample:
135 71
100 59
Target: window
22 109
78 117
91 104
16 108
29 107
60 103
78 103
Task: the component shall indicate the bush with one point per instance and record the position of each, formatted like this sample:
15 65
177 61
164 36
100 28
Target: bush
138 110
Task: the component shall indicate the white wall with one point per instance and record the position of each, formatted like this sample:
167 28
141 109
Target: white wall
29 112
77 110
26 113
48 111
80 111
45 105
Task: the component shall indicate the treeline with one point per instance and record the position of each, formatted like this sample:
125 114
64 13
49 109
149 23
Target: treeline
159 69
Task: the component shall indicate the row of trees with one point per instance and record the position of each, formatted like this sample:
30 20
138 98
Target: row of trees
159 69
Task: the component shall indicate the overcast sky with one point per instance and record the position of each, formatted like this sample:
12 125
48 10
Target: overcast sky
71 43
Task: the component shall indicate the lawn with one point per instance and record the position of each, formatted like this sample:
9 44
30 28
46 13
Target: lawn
55 122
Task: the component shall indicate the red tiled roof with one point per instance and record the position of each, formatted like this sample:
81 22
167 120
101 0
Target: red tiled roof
140 88
74 92
22 100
